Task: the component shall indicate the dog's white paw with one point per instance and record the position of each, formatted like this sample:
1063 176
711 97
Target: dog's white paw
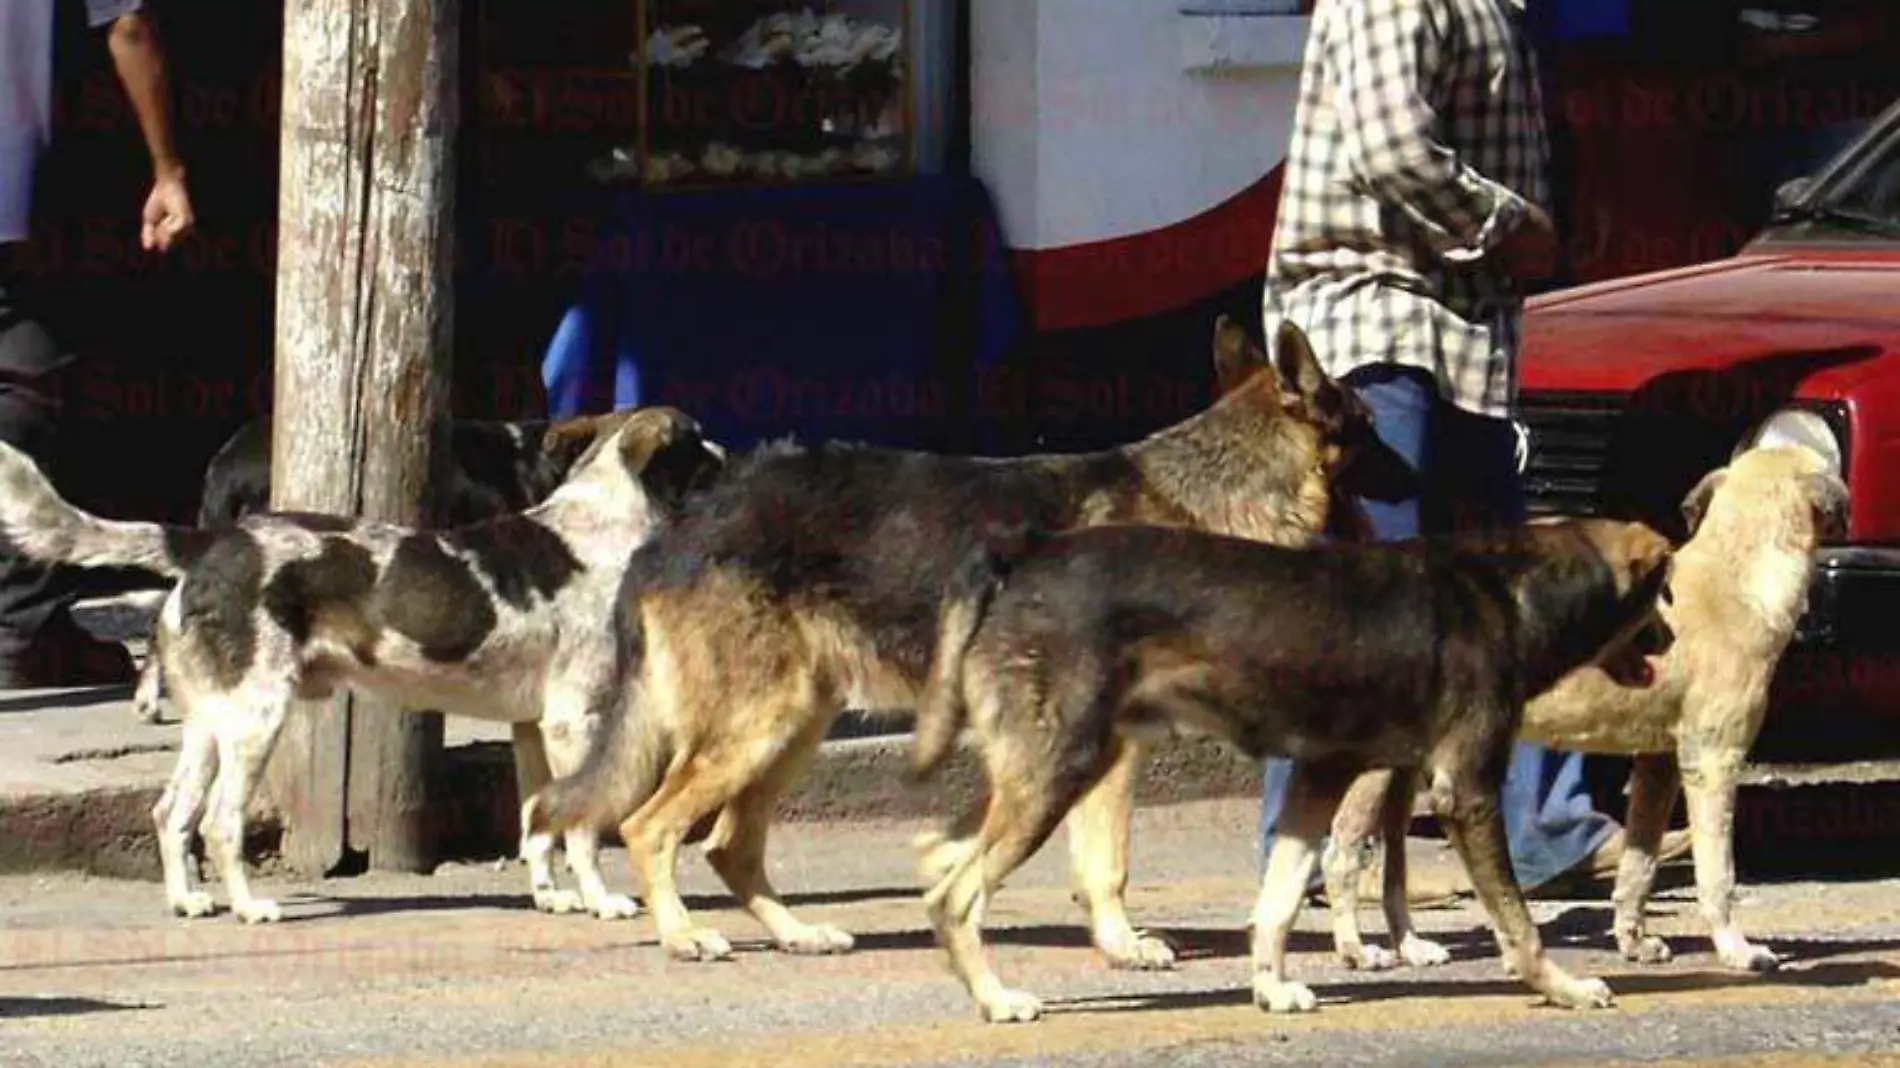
616 907
1142 952
1012 1006
558 902
1282 996
817 940
194 905
1646 949
695 944
1582 994
1362 957
258 910
1749 957
1423 952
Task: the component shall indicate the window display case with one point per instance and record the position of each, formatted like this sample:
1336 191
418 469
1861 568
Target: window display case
670 94
738 91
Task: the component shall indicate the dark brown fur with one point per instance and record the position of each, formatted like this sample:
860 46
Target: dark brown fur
809 581
1060 654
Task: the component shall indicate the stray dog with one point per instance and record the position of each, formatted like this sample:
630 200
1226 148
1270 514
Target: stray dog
1062 650
499 467
808 581
503 620
1738 588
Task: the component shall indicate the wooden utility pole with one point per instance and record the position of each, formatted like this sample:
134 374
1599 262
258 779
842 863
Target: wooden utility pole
364 320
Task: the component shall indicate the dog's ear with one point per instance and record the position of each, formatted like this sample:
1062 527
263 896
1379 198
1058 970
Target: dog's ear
665 449
1829 495
1236 357
1300 371
1696 504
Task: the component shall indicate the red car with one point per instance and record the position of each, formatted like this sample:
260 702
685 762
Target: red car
1633 388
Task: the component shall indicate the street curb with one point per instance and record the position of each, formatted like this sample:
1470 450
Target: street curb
108 832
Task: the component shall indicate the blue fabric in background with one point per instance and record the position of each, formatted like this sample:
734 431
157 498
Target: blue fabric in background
856 311
1571 20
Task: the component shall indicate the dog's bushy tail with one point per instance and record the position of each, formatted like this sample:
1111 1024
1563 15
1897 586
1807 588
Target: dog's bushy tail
942 710
39 524
623 765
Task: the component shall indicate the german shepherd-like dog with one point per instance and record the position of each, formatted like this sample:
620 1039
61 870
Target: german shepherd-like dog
1062 651
808 582
502 620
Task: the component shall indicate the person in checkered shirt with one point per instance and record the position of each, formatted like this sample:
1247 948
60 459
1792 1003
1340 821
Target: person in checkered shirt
1412 221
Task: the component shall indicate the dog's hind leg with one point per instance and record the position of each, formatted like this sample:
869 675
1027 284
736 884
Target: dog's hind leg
1653 782
702 782
1468 804
736 850
1026 803
1710 788
1099 829
177 813
1313 795
243 748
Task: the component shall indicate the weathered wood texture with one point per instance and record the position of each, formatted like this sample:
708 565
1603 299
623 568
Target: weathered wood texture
364 317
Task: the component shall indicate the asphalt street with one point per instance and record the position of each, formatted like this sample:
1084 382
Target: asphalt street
455 968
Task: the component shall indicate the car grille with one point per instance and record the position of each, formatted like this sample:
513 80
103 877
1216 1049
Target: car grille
1570 436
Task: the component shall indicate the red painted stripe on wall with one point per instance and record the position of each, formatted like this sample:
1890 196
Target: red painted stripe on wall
1134 277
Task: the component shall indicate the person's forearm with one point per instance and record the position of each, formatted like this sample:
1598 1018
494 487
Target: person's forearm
140 61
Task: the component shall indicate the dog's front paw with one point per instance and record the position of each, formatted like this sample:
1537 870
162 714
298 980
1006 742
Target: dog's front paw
1581 994
258 910
1361 957
1423 952
1142 952
1749 957
194 905
616 907
695 944
817 940
1276 995
558 902
1643 949
1012 1006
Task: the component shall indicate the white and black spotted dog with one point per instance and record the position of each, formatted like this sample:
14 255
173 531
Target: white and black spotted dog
504 619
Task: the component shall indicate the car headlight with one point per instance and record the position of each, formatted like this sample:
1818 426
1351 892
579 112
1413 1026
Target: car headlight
1801 426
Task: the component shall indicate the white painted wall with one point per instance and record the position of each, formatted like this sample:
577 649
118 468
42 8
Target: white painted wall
1089 122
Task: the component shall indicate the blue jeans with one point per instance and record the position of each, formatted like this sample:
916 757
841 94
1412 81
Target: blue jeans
1467 468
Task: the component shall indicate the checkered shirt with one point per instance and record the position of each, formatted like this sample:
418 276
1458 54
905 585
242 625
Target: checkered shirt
1419 134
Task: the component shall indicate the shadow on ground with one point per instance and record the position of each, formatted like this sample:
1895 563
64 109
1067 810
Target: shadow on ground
1417 985
24 1008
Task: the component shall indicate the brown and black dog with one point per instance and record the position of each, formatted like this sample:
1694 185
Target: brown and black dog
1061 651
808 583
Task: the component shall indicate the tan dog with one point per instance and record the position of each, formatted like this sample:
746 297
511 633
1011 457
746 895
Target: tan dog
1739 587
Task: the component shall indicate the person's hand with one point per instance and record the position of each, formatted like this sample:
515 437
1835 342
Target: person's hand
167 216
1530 250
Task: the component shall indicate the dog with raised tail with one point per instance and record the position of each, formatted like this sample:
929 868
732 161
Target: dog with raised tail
503 620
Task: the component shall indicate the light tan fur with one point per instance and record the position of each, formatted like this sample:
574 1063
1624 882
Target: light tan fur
1738 588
